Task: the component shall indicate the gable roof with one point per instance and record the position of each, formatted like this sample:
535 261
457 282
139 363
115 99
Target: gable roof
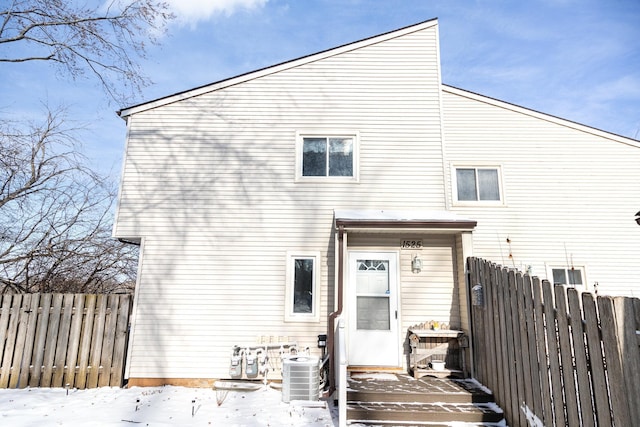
211 87
540 115
276 68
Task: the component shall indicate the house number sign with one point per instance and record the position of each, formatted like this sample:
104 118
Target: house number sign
411 244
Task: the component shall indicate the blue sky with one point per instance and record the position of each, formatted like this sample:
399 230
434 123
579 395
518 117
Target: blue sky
576 59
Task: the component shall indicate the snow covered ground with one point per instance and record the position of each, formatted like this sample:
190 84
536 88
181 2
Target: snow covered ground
158 406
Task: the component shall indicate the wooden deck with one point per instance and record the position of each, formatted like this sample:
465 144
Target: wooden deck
399 399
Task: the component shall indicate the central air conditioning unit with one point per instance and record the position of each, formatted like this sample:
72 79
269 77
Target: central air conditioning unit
300 378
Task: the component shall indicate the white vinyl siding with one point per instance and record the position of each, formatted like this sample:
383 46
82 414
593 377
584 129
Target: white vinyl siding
571 193
432 294
209 183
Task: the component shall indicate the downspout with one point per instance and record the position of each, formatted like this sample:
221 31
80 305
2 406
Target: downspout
335 314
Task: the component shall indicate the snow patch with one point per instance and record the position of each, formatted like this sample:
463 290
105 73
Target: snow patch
379 376
158 407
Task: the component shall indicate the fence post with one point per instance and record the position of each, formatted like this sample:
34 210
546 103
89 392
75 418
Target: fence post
543 362
630 356
567 353
582 365
592 330
553 354
613 357
477 362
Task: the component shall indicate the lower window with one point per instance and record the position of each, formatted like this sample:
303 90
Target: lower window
303 273
571 276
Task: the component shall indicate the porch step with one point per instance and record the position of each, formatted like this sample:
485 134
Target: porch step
399 399
412 413
452 392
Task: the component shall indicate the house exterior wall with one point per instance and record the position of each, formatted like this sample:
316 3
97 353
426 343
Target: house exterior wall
570 192
209 186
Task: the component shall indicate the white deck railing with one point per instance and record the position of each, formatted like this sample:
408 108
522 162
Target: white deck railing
341 359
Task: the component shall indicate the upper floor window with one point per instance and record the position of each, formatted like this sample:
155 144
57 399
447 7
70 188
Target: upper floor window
477 184
327 156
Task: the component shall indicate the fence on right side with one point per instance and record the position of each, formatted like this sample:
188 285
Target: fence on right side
551 355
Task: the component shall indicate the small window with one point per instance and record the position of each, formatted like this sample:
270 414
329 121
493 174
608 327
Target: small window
326 157
477 184
303 272
571 276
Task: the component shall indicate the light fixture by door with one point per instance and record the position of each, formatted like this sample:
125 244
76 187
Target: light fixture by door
416 265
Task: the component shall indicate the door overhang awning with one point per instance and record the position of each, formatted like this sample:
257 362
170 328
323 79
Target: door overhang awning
398 220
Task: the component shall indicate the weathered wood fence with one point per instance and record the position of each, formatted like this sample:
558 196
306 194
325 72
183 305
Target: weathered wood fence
63 340
551 355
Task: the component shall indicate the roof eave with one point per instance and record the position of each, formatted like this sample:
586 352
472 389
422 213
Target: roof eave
406 224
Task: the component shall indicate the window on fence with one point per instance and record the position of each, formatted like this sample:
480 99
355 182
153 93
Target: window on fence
302 282
327 157
571 276
477 184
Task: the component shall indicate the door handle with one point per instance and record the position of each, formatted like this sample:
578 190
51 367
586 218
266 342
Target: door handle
396 314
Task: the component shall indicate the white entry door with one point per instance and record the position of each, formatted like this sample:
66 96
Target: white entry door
373 309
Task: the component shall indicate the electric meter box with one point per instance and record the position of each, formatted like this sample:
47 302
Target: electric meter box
252 365
235 369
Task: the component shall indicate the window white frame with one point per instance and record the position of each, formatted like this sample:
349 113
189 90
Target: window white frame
581 269
353 135
290 314
477 202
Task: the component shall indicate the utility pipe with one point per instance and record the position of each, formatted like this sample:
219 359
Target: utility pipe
332 317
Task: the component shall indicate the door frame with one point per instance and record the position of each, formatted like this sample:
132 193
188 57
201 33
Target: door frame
394 285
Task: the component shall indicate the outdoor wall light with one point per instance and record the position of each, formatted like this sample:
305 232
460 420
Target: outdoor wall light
322 341
638 218
477 295
416 265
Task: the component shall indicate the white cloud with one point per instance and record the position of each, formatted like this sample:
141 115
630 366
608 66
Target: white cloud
192 11
624 87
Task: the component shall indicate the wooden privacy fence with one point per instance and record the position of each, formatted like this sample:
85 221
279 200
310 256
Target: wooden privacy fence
553 356
63 340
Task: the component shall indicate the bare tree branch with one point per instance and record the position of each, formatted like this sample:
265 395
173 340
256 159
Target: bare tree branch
105 41
55 215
